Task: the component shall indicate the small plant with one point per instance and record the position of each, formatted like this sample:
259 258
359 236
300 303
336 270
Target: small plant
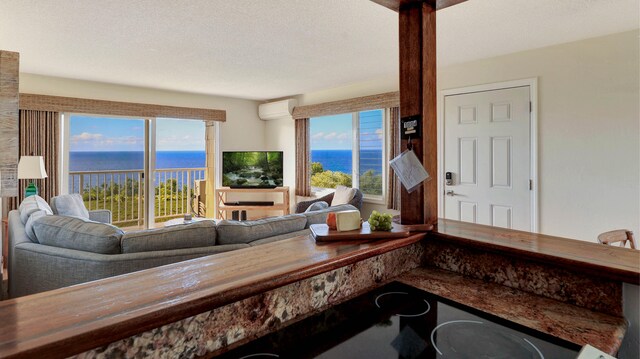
380 221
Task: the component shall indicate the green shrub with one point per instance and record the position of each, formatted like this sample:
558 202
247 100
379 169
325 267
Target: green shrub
330 179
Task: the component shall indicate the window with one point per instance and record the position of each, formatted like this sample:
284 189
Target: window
348 149
145 170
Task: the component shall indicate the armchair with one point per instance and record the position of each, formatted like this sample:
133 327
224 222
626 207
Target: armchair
356 201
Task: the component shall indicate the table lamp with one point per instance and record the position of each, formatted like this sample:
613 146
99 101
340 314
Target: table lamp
31 167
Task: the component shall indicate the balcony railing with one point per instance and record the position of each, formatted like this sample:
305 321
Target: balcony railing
122 192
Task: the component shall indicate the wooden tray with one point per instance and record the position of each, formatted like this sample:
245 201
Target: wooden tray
321 233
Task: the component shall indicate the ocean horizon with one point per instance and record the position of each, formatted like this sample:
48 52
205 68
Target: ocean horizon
331 160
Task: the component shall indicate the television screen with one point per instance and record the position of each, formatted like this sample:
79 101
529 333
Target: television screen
252 169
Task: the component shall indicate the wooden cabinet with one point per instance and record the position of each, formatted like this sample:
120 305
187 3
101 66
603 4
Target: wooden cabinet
223 210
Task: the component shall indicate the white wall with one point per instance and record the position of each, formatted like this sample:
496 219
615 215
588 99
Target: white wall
280 136
589 141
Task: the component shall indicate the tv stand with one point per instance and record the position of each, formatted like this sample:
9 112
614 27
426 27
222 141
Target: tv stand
223 209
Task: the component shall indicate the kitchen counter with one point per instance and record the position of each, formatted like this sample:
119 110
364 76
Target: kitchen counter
205 305
563 320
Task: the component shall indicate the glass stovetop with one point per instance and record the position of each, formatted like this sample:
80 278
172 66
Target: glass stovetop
401 322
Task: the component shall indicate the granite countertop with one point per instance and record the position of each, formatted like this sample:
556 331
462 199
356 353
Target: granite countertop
566 321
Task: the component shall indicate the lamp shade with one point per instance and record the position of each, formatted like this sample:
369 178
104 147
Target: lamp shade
31 167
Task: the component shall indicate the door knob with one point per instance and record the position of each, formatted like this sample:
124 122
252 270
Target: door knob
450 193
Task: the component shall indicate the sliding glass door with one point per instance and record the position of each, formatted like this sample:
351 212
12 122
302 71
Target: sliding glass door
114 163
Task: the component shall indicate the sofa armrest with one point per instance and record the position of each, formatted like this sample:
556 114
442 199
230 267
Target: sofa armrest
302 206
100 215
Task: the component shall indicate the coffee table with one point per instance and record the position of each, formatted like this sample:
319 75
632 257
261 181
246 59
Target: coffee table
178 221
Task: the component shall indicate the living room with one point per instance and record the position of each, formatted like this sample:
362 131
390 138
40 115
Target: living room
584 79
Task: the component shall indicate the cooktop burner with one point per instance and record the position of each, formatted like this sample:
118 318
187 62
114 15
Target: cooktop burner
417 306
399 321
475 339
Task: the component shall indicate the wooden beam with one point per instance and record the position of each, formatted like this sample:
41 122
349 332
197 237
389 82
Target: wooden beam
418 98
395 5
102 107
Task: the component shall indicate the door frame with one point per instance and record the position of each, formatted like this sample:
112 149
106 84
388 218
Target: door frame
533 137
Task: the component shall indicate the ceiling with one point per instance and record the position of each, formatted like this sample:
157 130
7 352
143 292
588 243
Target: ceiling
264 49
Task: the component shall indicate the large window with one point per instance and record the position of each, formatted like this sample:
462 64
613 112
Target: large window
144 170
348 149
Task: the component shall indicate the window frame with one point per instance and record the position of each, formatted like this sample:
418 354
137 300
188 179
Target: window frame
355 158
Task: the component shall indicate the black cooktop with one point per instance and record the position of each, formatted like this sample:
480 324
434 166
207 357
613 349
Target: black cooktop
401 322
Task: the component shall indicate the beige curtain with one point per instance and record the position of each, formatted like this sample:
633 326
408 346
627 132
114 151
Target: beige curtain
39 136
303 152
393 184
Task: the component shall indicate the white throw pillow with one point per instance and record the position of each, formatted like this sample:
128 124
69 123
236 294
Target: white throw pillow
71 205
343 195
32 204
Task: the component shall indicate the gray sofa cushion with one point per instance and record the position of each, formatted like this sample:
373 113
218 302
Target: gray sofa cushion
320 216
69 205
32 204
192 235
78 233
28 227
232 232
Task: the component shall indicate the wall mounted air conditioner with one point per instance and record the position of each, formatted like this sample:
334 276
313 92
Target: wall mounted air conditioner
277 110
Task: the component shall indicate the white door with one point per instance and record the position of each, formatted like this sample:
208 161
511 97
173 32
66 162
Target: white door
487 150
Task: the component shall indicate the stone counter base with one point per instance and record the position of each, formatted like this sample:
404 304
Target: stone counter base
234 324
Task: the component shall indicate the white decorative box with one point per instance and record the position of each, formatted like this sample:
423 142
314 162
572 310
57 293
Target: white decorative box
348 220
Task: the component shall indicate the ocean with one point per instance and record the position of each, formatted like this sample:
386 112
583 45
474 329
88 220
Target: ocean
342 160
332 160
128 160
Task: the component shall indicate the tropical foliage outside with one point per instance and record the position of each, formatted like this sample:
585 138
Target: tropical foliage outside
370 182
126 202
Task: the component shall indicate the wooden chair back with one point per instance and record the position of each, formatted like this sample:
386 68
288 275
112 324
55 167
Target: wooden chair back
622 236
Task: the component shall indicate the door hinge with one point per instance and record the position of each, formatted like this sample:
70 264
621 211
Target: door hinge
530 107
530 185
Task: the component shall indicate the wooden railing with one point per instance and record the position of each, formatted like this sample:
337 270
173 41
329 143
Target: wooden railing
122 192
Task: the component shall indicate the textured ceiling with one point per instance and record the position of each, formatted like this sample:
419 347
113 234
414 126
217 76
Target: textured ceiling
263 49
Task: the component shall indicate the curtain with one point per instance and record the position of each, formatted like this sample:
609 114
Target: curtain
39 136
303 152
393 183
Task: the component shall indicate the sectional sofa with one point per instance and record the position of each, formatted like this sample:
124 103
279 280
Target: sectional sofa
52 251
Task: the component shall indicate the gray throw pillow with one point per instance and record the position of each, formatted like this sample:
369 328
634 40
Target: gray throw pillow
32 204
192 235
28 227
234 232
79 234
317 206
70 205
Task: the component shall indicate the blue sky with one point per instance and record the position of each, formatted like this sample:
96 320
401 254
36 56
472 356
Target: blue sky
117 134
335 132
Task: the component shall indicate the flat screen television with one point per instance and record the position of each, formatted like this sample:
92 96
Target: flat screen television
252 169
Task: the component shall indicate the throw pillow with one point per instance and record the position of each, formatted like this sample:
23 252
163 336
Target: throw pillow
32 204
70 205
316 206
79 234
28 227
235 232
192 235
343 195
